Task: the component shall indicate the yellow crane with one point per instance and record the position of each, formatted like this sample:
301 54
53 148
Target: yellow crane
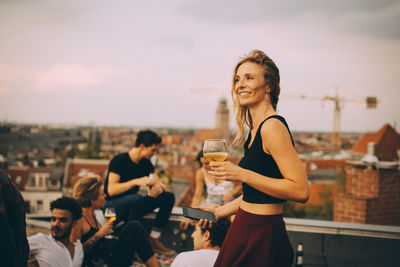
369 101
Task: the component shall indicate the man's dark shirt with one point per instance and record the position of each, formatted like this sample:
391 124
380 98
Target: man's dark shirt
128 170
14 248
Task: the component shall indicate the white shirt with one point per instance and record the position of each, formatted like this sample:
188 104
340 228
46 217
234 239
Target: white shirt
52 253
196 258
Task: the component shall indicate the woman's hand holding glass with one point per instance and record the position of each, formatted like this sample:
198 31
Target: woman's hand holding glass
110 215
226 171
105 230
215 150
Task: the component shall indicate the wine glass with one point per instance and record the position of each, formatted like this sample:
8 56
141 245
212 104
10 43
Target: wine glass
215 150
110 216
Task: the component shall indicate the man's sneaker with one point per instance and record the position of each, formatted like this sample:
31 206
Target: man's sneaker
160 248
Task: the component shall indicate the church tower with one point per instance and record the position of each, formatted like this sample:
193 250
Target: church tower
222 119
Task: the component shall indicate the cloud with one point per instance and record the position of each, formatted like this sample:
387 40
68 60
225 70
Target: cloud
14 77
64 77
3 90
369 17
383 23
264 10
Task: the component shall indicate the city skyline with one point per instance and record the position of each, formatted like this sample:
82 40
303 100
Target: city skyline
168 63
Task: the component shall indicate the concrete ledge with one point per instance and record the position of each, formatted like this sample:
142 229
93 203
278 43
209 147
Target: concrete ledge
292 224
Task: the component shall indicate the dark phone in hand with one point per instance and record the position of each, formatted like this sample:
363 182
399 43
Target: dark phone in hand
198 214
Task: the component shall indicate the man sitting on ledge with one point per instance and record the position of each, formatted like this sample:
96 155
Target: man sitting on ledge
128 171
206 245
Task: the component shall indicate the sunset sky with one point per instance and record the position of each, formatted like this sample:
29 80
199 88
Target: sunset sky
167 63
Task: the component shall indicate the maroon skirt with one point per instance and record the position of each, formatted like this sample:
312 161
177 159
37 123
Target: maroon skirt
256 240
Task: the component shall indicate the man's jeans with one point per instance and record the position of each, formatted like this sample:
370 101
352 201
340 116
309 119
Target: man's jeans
135 206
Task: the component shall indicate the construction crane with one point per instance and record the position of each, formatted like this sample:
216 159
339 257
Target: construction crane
370 101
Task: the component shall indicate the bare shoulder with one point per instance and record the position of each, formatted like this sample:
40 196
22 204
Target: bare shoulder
76 231
274 133
274 128
199 175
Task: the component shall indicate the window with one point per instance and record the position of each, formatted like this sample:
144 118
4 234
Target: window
39 204
31 181
41 181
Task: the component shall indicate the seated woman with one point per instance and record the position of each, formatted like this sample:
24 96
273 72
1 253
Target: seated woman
132 237
213 198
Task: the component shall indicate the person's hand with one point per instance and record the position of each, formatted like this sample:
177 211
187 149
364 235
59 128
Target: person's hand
225 170
227 197
105 230
204 223
145 181
185 224
156 190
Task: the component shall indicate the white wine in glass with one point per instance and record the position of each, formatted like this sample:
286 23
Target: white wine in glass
110 216
215 156
215 150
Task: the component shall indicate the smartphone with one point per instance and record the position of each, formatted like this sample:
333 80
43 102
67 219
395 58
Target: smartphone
198 214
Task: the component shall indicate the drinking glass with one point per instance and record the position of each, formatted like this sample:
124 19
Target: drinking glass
215 150
110 216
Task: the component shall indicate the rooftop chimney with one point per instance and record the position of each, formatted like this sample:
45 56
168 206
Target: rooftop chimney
370 157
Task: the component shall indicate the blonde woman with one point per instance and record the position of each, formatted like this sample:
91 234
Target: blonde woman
88 191
270 170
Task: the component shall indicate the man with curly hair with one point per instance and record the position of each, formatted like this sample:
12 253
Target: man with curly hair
56 249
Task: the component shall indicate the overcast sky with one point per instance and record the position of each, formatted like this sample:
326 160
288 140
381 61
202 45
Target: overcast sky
167 63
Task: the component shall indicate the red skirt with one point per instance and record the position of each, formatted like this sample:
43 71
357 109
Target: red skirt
256 240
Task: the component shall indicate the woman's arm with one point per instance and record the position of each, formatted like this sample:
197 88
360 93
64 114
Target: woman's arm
277 142
221 212
115 187
198 193
228 209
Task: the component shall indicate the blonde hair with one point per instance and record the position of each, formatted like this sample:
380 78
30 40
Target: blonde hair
272 79
86 189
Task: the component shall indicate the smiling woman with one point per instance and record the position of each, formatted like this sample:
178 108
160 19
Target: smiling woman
255 76
270 170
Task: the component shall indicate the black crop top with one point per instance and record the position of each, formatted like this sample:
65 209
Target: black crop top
255 159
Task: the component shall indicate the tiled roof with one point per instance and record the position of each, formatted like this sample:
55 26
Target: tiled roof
22 173
387 142
74 168
328 163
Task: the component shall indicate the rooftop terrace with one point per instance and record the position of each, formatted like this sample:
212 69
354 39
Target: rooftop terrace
325 243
